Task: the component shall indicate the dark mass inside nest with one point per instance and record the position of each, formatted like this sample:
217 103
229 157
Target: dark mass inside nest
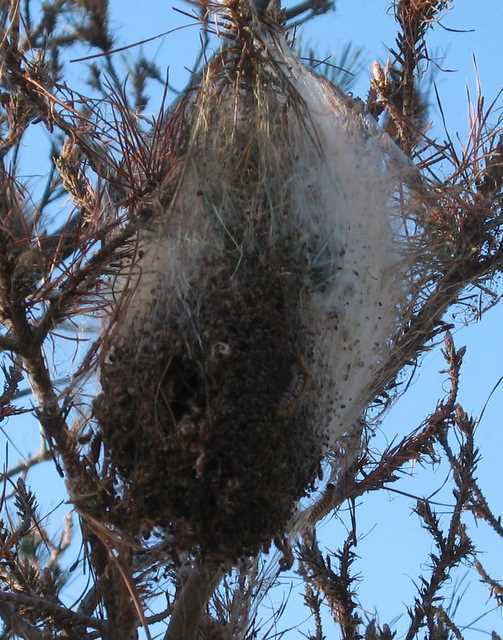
207 411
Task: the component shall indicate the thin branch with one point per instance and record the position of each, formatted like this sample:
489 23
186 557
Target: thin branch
43 606
481 509
316 7
22 467
495 588
337 587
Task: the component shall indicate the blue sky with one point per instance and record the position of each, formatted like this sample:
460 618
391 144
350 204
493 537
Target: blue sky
393 548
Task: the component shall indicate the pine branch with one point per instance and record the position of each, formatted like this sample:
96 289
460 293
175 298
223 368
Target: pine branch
413 447
495 588
456 546
335 586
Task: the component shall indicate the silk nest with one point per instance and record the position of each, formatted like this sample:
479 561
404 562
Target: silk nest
252 326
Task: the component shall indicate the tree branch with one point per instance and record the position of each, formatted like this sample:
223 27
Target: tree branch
317 7
189 605
44 606
41 456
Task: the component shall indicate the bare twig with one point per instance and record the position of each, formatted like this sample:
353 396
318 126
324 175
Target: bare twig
495 588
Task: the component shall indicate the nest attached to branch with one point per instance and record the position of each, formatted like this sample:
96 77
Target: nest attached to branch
260 305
